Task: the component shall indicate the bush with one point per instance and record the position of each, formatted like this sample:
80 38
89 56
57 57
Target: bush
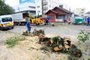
88 58
83 36
11 42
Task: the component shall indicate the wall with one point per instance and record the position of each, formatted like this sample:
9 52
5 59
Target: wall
53 17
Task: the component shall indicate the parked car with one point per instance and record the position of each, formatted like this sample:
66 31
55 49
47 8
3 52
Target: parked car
6 22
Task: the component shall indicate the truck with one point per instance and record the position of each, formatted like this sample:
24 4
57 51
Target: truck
19 19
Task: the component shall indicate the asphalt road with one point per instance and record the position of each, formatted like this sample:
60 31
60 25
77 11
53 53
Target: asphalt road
59 29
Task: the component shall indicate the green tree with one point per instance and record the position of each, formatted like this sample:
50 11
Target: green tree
5 9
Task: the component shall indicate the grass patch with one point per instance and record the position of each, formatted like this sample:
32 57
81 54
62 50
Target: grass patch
12 41
88 58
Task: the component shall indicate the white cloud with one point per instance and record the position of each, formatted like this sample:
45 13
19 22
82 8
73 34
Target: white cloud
12 3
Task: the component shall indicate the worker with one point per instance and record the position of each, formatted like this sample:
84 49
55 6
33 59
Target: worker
47 20
28 25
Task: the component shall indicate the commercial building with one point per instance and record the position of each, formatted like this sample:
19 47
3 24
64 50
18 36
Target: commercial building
38 4
27 6
79 11
49 4
37 7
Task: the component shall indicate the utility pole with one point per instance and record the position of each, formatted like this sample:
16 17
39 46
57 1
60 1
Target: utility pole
42 7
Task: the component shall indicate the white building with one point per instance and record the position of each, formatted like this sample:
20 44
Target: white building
49 4
36 7
38 4
65 6
26 6
79 11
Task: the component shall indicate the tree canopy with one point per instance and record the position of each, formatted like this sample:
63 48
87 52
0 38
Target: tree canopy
5 9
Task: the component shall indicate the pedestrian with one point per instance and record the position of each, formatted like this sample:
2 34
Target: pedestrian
47 20
65 21
69 20
88 20
28 25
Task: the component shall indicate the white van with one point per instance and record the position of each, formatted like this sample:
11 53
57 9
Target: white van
6 22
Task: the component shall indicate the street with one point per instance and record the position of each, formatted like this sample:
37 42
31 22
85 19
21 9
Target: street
59 29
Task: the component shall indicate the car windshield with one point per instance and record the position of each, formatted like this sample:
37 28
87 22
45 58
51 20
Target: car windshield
8 19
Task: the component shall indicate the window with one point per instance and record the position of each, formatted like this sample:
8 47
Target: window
31 7
38 6
60 17
8 19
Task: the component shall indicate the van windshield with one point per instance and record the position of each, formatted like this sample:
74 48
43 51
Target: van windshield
6 19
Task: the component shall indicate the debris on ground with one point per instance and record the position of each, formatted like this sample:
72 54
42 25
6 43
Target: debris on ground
59 44
40 47
34 33
26 33
38 32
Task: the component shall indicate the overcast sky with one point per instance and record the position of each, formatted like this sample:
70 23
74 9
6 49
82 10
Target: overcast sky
77 4
71 3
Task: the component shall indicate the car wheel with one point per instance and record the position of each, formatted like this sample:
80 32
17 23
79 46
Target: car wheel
38 24
12 27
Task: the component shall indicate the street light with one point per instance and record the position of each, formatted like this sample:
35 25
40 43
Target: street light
42 6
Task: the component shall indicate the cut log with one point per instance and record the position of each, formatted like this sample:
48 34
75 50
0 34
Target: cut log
57 49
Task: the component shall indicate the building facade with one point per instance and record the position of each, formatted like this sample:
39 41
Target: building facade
26 6
36 7
58 14
38 4
49 4
79 11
